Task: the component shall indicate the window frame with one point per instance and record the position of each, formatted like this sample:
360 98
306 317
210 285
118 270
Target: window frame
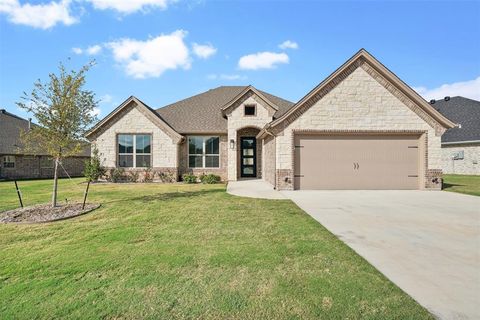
204 154
4 161
254 106
134 149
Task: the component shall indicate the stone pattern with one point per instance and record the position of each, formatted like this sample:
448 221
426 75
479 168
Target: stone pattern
269 160
33 167
249 132
132 120
433 179
359 102
470 164
284 179
236 121
183 160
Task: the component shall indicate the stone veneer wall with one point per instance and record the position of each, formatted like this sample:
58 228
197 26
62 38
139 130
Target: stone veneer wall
33 167
237 120
183 160
249 132
470 164
359 102
269 160
131 120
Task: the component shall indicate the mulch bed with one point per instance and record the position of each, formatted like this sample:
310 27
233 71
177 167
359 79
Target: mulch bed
45 213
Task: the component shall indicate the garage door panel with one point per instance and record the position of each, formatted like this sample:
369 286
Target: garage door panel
356 162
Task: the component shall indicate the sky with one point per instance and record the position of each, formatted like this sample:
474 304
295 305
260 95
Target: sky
162 51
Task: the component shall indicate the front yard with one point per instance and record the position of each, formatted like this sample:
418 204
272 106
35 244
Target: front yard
184 251
462 184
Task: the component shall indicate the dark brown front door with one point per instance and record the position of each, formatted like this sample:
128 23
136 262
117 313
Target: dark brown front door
248 157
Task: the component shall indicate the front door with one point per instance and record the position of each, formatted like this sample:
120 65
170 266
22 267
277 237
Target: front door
248 157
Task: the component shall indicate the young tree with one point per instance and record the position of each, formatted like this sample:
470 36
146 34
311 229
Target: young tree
64 111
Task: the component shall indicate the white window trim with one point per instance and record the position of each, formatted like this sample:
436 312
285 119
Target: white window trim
134 153
10 161
203 155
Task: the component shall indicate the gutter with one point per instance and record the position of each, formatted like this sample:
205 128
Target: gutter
460 142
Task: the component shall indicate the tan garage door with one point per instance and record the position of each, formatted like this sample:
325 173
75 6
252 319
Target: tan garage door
356 162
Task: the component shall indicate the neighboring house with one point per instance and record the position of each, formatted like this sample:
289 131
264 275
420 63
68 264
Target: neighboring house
361 128
460 145
15 163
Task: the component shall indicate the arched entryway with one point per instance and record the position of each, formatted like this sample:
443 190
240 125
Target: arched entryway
249 153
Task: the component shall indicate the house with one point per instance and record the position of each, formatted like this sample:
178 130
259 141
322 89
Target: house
360 128
460 145
15 163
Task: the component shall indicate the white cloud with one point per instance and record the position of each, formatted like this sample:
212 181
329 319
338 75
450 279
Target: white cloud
42 16
130 6
106 98
96 112
77 50
152 57
204 51
228 77
93 50
288 44
262 60
469 89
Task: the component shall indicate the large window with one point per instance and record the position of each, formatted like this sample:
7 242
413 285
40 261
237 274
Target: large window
9 161
134 151
203 152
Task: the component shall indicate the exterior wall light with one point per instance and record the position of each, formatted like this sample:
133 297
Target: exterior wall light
232 144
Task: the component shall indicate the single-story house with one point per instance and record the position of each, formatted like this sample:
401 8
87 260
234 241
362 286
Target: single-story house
15 163
360 128
460 145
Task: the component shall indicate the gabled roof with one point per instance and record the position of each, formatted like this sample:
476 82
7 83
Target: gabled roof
252 90
465 112
202 113
11 128
146 110
337 76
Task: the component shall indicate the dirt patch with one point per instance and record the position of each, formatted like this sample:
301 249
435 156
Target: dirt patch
45 213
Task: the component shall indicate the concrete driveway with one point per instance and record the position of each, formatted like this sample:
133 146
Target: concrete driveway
426 242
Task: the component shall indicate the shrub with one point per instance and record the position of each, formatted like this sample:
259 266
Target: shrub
117 175
210 178
133 176
189 178
166 177
148 175
93 169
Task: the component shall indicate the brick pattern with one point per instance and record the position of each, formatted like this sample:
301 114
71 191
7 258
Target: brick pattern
33 167
470 164
132 120
222 171
356 101
269 170
284 179
433 179
237 121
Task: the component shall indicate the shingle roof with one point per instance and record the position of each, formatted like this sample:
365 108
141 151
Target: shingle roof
202 113
11 127
464 111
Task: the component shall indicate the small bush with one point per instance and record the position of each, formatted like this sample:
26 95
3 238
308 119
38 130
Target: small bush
166 177
148 175
189 178
117 175
133 176
210 178
93 169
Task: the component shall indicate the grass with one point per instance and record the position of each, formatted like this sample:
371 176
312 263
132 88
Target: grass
462 184
184 251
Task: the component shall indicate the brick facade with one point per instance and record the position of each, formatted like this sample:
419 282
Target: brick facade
36 167
470 164
269 158
358 102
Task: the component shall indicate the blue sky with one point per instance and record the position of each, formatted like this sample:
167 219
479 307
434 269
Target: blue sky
162 51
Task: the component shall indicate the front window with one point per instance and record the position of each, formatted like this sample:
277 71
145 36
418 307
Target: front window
134 150
250 110
203 152
9 161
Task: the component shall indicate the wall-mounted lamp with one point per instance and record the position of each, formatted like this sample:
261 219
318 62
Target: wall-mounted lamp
232 144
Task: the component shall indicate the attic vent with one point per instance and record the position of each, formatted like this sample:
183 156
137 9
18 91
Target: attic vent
432 101
446 98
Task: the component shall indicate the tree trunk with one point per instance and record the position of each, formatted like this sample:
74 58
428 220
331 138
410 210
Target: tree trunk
55 184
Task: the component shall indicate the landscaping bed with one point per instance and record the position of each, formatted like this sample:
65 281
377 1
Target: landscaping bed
45 213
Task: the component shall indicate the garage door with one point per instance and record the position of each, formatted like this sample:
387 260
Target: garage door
356 162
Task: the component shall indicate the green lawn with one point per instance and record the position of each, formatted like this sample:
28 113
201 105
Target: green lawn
462 184
184 251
